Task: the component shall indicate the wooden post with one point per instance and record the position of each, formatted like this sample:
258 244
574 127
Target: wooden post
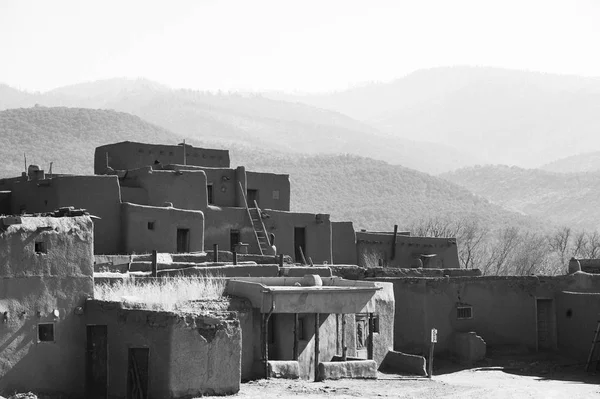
394 242
310 261
280 260
265 342
154 263
430 362
234 258
296 337
317 347
215 253
370 343
344 348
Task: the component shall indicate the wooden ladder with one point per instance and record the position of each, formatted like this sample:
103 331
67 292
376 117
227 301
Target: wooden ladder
259 229
260 232
593 356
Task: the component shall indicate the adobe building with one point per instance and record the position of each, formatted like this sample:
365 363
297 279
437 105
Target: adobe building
194 201
46 270
371 249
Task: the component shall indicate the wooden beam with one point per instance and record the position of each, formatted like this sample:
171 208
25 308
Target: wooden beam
344 348
394 242
370 343
265 343
317 346
296 337
154 263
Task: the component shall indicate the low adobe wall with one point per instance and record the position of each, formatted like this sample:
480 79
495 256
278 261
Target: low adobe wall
190 355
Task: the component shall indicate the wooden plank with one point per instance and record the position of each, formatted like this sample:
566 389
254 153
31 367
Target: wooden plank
370 342
296 337
317 323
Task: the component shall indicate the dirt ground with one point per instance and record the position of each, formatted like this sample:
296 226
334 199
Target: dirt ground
524 377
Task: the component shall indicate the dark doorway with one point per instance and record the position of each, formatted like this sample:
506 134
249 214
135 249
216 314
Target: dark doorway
299 242
234 238
209 190
96 362
546 324
137 373
252 196
183 240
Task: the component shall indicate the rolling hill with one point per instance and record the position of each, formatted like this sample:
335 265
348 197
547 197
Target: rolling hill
372 193
570 199
586 162
250 120
502 116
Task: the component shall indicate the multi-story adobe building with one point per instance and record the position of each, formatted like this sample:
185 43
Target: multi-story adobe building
179 198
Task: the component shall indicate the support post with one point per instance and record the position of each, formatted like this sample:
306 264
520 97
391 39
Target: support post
430 361
394 242
215 253
265 342
344 348
154 263
234 258
370 343
303 259
296 337
280 260
317 346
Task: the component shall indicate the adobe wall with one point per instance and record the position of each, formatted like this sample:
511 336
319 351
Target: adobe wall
504 308
139 238
100 195
32 287
190 355
224 184
343 243
220 221
5 197
184 189
131 155
330 336
273 190
577 316
375 249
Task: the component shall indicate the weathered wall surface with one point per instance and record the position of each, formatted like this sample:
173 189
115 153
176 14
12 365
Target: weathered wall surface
100 195
139 238
131 155
343 243
577 317
184 189
219 222
273 190
224 184
318 234
34 285
375 249
503 308
189 355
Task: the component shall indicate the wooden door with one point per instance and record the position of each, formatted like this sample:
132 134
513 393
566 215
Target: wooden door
252 196
96 364
183 240
137 373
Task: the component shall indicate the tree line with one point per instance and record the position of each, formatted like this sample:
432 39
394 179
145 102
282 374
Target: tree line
512 250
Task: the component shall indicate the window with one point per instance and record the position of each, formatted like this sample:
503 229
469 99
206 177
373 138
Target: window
46 332
275 194
40 247
150 225
209 190
376 324
464 312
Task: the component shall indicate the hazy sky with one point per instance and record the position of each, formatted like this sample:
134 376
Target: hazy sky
298 45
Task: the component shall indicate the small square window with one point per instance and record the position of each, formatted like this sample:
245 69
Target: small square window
464 312
275 194
150 225
46 332
171 153
40 247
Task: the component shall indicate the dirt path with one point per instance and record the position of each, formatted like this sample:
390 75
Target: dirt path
479 383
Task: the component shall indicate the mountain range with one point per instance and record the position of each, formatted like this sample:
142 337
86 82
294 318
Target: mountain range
372 193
